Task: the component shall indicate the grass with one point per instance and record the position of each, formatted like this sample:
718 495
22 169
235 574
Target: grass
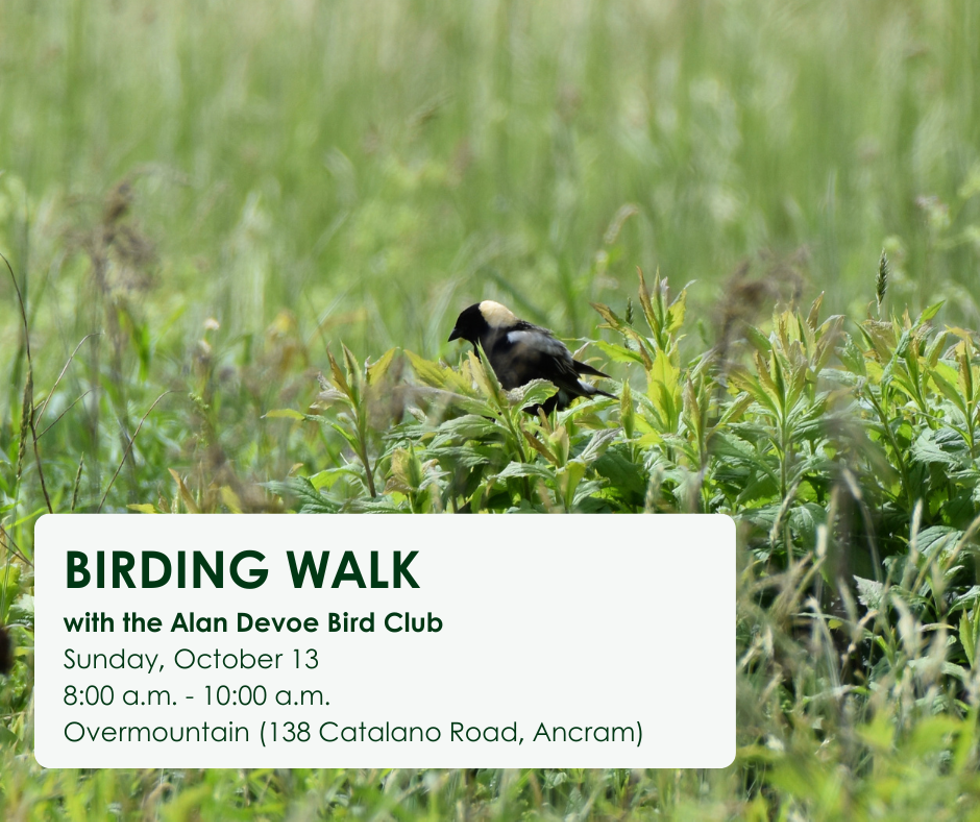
204 205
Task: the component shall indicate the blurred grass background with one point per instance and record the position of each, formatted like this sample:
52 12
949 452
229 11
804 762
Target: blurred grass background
374 166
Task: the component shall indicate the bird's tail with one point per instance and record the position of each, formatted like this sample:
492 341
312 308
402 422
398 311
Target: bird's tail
591 391
583 368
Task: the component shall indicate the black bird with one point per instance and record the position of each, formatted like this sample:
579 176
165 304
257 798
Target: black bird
520 352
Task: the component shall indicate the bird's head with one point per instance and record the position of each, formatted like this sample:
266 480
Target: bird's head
476 320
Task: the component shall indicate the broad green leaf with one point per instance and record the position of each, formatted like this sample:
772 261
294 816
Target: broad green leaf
525 469
618 353
929 313
533 393
338 376
429 372
623 475
870 593
471 426
676 312
609 316
485 376
664 388
646 304
569 476
925 450
377 370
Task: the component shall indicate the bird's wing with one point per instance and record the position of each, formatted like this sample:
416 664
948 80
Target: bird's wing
542 338
523 354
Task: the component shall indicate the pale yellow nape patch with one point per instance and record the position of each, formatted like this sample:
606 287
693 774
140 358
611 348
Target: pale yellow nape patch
497 315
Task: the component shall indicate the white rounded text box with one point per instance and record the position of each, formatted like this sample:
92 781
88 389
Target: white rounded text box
433 641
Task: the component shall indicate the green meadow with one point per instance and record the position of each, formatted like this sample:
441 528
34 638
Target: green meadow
238 237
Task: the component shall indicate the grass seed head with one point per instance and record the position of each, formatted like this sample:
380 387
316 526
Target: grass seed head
881 281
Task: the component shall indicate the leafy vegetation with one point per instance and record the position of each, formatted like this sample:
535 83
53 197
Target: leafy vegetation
205 206
850 462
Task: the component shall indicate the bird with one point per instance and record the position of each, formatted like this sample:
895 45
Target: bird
520 351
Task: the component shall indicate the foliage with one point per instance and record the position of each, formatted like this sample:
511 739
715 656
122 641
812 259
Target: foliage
204 205
850 460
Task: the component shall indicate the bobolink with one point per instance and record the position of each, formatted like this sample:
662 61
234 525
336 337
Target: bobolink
520 352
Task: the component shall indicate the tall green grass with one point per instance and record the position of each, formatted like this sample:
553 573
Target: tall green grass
198 200
372 165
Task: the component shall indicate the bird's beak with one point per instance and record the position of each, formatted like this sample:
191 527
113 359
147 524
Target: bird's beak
454 335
